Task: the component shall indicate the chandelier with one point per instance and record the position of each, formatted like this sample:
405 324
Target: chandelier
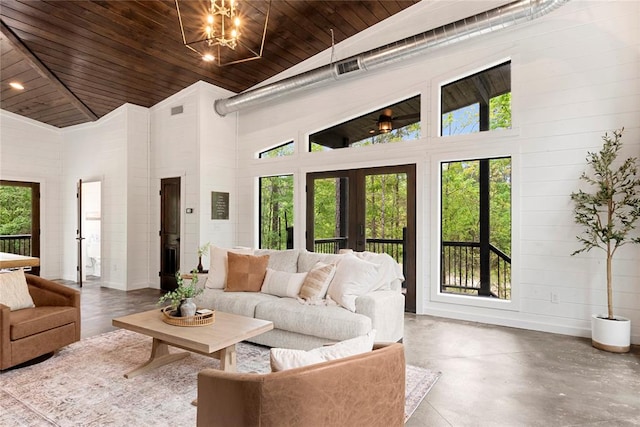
220 33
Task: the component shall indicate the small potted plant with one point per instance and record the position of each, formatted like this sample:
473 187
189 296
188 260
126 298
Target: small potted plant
608 216
202 251
182 297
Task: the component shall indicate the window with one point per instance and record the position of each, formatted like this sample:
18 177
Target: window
20 219
477 103
285 149
476 227
276 212
394 123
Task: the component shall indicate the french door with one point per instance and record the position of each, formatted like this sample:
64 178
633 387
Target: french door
370 209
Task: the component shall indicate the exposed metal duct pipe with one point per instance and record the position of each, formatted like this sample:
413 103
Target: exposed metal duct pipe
465 29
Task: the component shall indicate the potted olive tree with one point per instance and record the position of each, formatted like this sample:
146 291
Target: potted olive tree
608 216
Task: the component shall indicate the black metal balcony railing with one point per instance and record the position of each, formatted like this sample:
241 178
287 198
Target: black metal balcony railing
19 244
393 247
461 269
330 245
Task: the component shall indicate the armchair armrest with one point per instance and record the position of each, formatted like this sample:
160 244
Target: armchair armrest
228 398
5 337
46 292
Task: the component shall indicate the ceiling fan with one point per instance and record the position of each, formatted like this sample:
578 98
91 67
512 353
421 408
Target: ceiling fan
386 119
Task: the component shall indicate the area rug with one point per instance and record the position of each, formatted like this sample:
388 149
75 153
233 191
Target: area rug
83 385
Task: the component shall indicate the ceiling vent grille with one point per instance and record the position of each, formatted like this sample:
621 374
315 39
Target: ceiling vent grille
348 66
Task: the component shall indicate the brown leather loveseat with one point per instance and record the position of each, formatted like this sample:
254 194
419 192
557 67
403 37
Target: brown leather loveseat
363 390
53 323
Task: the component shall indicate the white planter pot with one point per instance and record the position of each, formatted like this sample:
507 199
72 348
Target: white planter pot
611 335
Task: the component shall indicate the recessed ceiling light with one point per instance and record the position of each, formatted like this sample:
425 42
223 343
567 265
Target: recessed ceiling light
208 57
16 85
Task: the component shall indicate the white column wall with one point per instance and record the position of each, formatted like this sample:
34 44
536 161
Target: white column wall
217 169
137 197
174 152
30 151
200 147
97 152
574 76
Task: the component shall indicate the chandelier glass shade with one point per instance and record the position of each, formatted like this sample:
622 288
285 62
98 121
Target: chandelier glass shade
218 32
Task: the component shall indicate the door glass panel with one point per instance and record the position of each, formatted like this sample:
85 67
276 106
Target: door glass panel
330 196
386 214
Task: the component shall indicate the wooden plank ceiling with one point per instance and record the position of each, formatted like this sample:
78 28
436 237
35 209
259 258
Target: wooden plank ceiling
79 60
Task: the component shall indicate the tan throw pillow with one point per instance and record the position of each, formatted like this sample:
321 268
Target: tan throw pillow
218 265
14 292
246 272
316 283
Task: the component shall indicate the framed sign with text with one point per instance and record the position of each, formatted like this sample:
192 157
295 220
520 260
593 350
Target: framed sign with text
219 205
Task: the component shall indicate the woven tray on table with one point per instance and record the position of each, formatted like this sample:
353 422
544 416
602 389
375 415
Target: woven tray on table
197 320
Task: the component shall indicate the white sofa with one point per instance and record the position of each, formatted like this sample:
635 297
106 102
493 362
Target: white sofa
305 326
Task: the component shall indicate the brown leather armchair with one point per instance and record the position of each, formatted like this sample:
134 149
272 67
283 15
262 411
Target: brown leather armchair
363 390
53 323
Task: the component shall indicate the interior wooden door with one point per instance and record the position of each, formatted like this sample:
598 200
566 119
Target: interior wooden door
169 232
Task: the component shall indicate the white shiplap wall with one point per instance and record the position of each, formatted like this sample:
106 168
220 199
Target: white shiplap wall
114 151
575 75
30 152
199 147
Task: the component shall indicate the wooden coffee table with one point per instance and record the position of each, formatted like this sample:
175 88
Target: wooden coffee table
217 340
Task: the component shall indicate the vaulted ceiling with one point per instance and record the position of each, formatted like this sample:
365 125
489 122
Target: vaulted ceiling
79 60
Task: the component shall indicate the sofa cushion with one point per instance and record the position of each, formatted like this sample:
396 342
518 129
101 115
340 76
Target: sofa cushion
14 292
246 272
330 322
317 281
285 358
218 266
354 277
307 260
243 304
282 283
31 321
281 260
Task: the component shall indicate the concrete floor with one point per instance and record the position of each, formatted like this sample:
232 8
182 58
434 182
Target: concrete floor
491 375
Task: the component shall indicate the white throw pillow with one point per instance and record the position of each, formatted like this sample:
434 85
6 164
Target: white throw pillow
282 283
218 268
14 292
284 358
354 277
